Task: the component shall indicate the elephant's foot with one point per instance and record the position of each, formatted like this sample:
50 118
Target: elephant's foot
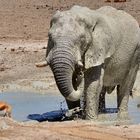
123 115
91 113
91 109
91 117
123 118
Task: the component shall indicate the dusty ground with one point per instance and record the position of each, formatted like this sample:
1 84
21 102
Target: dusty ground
74 130
23 39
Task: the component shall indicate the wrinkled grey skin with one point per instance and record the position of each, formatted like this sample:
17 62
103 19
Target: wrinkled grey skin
92 52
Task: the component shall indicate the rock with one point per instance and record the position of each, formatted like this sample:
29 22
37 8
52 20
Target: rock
12 49
45 47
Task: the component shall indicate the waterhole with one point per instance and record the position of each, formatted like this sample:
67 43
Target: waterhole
24 103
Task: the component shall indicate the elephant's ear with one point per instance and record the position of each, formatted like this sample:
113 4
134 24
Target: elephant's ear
101 46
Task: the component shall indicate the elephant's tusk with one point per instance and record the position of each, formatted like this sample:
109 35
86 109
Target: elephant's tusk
41 64
80 64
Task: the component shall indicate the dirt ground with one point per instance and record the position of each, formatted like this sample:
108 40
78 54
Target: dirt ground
23 40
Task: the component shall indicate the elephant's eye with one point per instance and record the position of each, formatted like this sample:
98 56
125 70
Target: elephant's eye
50 37
51 42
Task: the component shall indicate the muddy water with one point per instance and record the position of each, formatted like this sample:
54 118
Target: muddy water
30 103
111 116
24 103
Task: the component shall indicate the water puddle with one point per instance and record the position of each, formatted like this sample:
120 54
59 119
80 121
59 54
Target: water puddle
111 116
24 104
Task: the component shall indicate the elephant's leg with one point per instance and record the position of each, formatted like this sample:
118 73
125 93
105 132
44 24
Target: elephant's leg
122 102
72 105
92 100
94 83
118 96
102 100
126 87
122 99
124 90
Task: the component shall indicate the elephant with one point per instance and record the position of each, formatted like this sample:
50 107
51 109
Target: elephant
91 52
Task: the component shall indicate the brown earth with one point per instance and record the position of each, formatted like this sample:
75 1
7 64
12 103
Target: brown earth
23 39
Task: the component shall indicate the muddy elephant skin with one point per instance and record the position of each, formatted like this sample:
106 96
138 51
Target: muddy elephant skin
93 50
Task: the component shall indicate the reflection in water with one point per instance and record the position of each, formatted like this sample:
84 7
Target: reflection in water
31 103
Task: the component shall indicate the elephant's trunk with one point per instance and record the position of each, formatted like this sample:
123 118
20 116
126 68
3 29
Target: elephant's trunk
63 67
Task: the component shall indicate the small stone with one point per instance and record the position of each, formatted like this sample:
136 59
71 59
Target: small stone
125 127
12 49
44 47
117 124
25 25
